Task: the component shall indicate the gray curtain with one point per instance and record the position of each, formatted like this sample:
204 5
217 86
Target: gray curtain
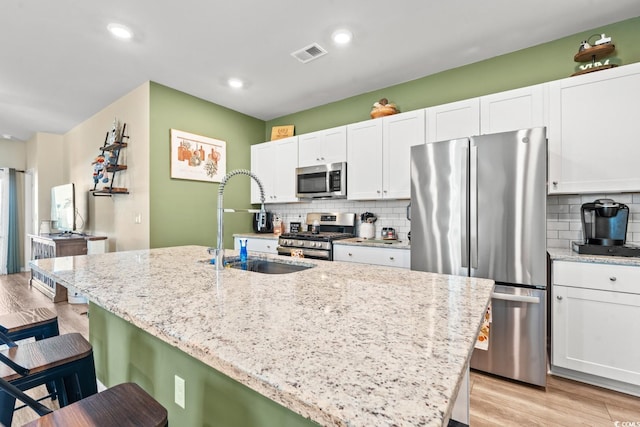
13 236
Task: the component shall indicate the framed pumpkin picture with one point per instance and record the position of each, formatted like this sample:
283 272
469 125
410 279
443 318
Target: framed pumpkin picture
197 157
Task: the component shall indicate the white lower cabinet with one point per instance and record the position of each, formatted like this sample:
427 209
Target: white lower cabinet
255 244
388 257
595 327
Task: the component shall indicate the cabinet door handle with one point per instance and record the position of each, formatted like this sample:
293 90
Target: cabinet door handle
559 297
350 254
613 278
391 258
555 183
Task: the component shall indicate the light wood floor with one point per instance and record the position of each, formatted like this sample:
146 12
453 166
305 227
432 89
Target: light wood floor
494 401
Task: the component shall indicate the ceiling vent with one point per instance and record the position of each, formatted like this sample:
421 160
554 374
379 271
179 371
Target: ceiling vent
309 53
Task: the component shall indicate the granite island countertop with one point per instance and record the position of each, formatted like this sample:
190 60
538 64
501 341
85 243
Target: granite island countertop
340 343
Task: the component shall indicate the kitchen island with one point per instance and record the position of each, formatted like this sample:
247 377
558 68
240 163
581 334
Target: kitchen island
337 344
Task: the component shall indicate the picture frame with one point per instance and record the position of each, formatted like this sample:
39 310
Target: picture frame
279 132
197 158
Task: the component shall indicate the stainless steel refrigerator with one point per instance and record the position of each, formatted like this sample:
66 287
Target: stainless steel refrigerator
478 208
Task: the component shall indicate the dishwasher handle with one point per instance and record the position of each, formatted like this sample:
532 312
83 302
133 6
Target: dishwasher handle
515 298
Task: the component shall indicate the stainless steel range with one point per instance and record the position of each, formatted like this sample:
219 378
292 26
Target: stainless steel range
315 241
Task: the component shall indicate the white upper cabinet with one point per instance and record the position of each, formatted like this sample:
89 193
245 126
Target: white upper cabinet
322 147
364 160
399 133
499 112
379 156
594 129
454 120
514 109
275 163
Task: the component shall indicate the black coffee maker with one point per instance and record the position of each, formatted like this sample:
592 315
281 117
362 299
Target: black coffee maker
604 222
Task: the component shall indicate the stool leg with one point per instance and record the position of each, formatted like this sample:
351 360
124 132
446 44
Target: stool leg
61 392
7 405
48 331
81 382
87 377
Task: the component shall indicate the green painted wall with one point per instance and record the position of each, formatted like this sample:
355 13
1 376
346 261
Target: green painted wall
538 64
125 353
183 212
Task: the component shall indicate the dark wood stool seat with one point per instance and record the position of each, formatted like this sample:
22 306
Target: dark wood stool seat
122 405
66 360
39 323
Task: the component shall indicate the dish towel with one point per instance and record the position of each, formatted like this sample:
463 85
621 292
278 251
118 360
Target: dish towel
482 342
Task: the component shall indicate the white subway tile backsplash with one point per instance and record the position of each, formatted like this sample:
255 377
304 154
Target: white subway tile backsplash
564 222
564 225
558 208
566 209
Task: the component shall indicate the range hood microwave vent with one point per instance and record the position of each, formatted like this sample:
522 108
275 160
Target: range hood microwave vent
309 53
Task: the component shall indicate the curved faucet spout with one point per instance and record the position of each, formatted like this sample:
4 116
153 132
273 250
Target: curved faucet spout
219 252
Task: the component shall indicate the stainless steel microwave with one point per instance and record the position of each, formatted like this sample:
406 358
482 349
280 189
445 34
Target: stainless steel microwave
322 181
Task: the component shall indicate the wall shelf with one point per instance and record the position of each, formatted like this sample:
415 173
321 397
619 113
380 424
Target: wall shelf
594 54
111 152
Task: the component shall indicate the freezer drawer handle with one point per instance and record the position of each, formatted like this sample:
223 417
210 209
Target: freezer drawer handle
517 298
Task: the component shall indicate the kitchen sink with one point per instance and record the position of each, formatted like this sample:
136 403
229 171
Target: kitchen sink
266 265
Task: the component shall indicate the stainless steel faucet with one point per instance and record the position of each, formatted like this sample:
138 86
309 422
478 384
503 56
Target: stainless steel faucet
219 251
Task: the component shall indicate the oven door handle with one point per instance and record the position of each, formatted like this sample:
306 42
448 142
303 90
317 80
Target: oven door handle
516 298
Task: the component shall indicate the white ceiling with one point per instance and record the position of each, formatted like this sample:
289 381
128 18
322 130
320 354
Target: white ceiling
59 66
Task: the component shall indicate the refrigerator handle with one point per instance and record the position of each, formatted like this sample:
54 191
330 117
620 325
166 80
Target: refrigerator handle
464 215
515 298
473 204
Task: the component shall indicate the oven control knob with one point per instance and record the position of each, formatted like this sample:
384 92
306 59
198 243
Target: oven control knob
300 243
312 244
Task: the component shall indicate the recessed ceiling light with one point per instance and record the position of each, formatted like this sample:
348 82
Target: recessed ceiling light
235 83
342 36
120 31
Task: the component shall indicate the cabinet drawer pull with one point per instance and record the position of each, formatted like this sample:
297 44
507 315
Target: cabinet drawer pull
613 278
391 258
350 254
555 183
559 297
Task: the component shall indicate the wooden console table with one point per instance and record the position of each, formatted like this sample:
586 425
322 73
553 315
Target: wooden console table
53 246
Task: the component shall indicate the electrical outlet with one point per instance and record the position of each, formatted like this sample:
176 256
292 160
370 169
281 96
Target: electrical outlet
179 391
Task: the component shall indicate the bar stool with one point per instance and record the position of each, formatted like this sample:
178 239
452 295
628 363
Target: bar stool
39 323
120 406
66 360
